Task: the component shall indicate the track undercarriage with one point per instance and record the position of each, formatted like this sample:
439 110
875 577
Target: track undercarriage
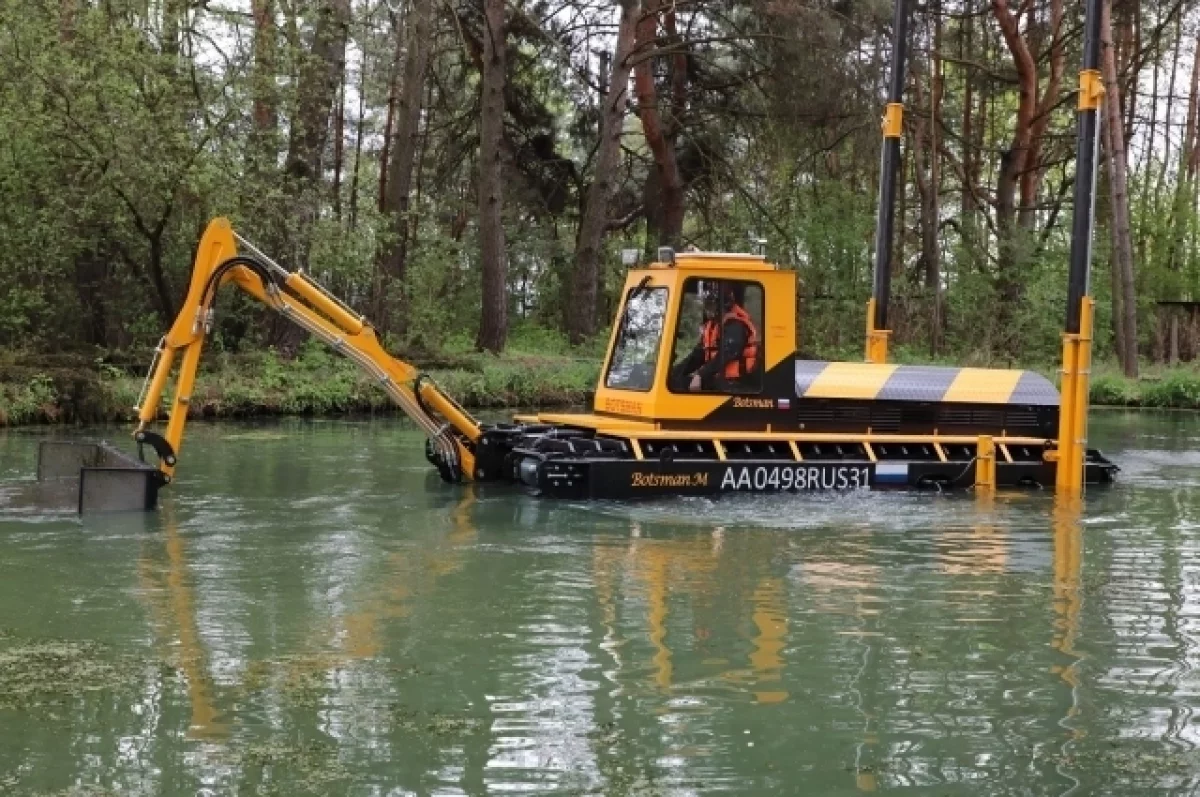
577 462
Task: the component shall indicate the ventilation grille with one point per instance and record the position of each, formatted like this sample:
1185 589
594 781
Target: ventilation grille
1022 419
886 419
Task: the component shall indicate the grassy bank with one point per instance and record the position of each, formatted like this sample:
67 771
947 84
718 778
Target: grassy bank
56 389
1160 386
64 389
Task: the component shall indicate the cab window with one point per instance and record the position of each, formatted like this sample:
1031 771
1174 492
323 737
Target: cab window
639 338
718 344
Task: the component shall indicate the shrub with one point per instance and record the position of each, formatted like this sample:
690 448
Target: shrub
1176 389
1114 390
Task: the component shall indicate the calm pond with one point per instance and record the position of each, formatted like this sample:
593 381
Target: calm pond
312 612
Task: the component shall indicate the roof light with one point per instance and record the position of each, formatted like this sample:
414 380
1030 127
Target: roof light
666 255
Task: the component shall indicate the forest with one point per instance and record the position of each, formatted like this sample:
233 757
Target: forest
469 173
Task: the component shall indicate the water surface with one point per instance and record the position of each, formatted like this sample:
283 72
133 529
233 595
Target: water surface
312 612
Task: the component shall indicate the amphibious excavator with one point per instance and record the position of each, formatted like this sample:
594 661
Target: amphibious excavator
773 422
678 411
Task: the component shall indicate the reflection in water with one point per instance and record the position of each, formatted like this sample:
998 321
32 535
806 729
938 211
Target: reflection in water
1068 561
354 635
359 634
983 548
845 580
178 630
310 614
653 571
770 623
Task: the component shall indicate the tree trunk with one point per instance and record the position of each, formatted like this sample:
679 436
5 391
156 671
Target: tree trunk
922 150
968 208
653 203
389 124
158 277
493 321
1168 116
1127 41
1146 169
1031 178
581 310
1103 216
662 145
91 277
358 142
1114 136
1013 160
983 122
265 221
1173 339
1020 165
172 23
339 139
66 20
320 73
1180 212
933 266
264 113
404 145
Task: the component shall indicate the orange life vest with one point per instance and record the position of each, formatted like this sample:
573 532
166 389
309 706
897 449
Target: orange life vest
711 339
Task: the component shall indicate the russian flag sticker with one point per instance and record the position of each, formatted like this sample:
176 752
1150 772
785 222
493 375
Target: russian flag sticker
784 404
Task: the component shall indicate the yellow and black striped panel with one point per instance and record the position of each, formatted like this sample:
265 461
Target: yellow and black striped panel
816 379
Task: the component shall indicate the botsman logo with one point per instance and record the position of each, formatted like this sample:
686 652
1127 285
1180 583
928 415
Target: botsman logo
673 480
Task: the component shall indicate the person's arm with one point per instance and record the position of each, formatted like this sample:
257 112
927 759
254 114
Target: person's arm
682 371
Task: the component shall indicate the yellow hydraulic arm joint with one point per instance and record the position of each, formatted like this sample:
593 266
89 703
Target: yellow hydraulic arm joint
893 120
452 432
1073 406
985 466
877 339
1091 90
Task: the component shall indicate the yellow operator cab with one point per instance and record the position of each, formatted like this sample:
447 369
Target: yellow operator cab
657 344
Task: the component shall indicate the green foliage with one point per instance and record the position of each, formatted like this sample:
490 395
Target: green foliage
521 381
1176 389
1114 390
102 149
316 382
1037 324
440 301
117 148
29 401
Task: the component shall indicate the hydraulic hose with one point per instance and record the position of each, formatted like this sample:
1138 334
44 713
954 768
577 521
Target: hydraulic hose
214 279
413 405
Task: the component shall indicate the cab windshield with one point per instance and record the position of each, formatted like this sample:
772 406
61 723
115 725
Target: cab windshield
639 338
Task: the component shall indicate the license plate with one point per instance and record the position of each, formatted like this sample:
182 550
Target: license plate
796 476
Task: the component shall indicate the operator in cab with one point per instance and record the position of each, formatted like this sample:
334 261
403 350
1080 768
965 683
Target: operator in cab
728 347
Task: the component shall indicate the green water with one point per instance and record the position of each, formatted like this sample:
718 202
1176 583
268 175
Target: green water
312 612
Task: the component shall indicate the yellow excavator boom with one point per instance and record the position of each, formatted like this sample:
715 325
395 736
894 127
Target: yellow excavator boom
451 430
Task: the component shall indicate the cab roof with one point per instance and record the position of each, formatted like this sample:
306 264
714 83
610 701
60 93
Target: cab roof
709 261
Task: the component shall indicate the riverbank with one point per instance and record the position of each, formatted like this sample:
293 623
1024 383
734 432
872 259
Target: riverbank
66 389
55 389
1164 387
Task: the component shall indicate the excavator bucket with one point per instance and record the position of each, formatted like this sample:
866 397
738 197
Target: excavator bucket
103 478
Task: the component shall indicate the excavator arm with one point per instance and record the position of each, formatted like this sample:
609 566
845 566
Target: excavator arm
452 432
